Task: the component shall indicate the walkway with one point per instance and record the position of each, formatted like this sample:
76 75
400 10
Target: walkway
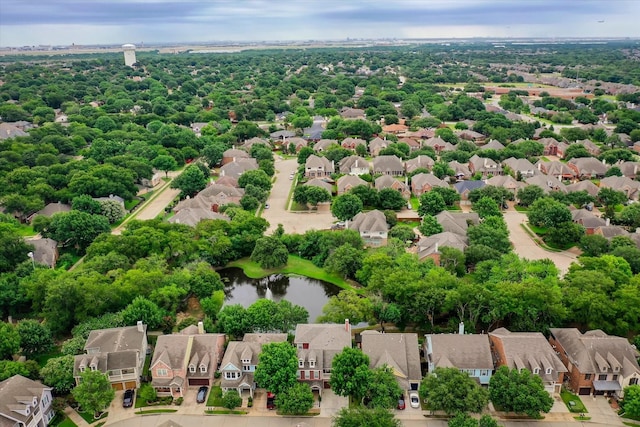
75 417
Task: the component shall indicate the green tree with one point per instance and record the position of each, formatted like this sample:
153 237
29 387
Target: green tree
564 234
13 248
76 229
58 373
610 199
165 163
492 232
429 226
278 367
35 338
631 402
383 390
346 305
346 206
9 340
213 153
431 204
486 206
630 215
86 203
462 420
94 393
449 195
391 199
453 391
270 252
233 321
386 313
519 391
350 374
297 400
141 309
212 304
547 212
257 177
593 245
231 399
363 417
112 210
9 368
402 232
345 261
191 181
147 393
529 194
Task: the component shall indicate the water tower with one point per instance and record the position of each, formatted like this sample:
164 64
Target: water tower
129 54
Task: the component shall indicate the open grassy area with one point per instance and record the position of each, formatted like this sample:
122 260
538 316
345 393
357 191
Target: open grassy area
519 208
157 411
145 369
295 265
415 203
62 421
42 358
88 417
26 230
224 412
215 397
572 401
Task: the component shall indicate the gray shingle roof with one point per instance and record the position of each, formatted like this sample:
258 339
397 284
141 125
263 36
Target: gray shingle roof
398 351
470 351
367 222
16 393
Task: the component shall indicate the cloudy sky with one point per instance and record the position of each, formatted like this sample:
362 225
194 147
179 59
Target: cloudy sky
62 22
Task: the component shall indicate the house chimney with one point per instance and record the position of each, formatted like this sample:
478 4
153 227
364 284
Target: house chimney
140 326
607 221
347 326
461 328
436 250
200 328
429 344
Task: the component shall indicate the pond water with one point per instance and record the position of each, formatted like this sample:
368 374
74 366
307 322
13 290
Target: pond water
309 293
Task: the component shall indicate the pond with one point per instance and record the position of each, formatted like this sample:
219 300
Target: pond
309 293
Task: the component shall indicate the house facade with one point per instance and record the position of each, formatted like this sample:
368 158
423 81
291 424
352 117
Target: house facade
241 359
317 344
470 353
25 403
318 167
117 352
372 226
388 165
597 363
184 360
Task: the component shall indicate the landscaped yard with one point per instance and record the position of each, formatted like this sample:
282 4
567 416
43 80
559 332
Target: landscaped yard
62 421
88 416
572 401
215 397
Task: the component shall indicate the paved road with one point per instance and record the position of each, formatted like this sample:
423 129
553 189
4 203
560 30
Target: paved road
277 213
525 247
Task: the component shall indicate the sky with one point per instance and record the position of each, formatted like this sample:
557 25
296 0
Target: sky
84 22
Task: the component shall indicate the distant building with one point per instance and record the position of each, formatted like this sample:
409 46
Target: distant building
129 54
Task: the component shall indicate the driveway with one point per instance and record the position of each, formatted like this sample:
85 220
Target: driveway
600 411
525 247
278 213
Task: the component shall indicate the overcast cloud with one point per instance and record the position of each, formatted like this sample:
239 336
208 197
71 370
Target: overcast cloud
62 22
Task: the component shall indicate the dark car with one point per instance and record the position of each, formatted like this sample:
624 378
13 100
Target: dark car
271 400
127 399
401 404
202 394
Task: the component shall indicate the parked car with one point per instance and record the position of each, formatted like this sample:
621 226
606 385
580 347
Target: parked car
266 205
202 394
401 404
127 399
271 400
414 399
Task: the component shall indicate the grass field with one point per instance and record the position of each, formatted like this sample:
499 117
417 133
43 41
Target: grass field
215 397
576 405
42 358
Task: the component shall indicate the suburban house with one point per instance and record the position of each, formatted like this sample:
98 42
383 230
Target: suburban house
352 113
590 146
387 181
50 209
317 344
636 147
457 222
318 182
297 142
232 155
227 181
553 147
323 144
347 182
413 144
470 353
400 352
388 165
507 182
241 359
523 167
588 167
376 145
547 183
117 352
419 162
629 187
9 130
112 198
588 220
429 247
282 136
354 165
611 231
372 226
629 169
528 350
317 167
212 198
598 363
492 145
465 187
557 170
25 403
484 166
192 216
439 144
186 359
253 141
395 128
470 135
45 251
197 128
424 182
352 143
461 171
585 185
236 168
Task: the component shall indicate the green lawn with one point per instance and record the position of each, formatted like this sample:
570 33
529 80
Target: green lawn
88 416
42 358
521 208
295 265
63 422
576 406
224 412
26 230
215 397
157 411
145 369
540 231
130 204
415 203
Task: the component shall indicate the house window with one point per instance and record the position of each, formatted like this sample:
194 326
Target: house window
312 375
203 369
82 368
192 369
93 367
615 378
536 371
616 369
484 372
587 376
312 363
231 375
305 345
300 363
602 377
633 381
246 368
161 372
548 371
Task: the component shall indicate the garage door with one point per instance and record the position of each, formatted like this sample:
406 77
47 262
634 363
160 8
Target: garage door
198 381
130 385
584 391
117 386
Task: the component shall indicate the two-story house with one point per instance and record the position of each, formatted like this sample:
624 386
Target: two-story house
470 353
528 350
347 182
317 344
241 359
388 165
318 167
186 359
25 403
400 352
424 182
387 181
354 165
484 166
117 352
598 363
372 226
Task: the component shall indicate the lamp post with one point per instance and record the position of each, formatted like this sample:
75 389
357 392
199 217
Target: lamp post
33 262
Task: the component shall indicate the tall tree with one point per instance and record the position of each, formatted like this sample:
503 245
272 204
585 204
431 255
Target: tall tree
631 402
165 163
453 391
58 373
547 212
350 374
76 229
35 338
144 310
9 340
346 206
13 248
363 417
278 367
94 393
270 252
519 391
431 203
191 181
297 400
383 390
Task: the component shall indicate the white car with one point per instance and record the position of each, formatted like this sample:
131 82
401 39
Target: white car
414 399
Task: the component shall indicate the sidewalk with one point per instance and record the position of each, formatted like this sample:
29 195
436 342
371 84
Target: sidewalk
75 417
